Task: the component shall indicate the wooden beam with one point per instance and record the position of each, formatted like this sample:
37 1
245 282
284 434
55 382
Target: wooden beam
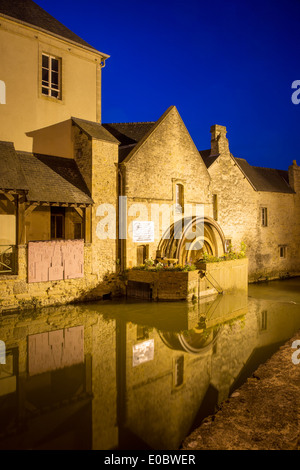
79 211
88 225
30 208
21 228
9 196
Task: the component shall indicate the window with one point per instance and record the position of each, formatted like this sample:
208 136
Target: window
57 223
142 254
264 217
264 320
179 198
215 206
51 76
178 371
77 231
282 251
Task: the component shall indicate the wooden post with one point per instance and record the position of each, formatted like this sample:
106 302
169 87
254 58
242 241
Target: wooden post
21 228
88 225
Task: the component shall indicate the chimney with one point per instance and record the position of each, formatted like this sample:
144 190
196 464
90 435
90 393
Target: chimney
294 177
219 142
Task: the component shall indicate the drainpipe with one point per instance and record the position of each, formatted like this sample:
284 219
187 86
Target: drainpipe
100 65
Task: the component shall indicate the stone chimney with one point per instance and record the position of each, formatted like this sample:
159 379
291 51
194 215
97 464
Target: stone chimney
294 177
219 142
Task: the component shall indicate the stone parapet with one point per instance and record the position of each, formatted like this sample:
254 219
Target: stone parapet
210 279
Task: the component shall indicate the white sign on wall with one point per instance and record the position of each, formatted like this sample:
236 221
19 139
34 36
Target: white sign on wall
142 352
2 92
142 232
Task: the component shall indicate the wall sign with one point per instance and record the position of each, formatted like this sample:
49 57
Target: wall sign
142 352
142 232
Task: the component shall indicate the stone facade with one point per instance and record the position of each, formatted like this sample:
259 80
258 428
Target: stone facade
151 171
239 214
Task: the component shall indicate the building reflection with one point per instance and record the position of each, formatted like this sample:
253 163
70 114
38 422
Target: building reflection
130 375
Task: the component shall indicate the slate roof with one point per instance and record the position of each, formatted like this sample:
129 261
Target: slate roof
53 179
129 132
94 129
266 179
11 174
29 12
262 179
207 157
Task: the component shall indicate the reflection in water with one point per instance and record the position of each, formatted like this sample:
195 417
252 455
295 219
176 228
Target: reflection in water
133 375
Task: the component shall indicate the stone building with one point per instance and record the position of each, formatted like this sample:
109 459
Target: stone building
56 168
257 206
65 179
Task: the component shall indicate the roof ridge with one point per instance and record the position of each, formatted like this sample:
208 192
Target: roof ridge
137 122
36 154
258 167
29 13
267 168
86 120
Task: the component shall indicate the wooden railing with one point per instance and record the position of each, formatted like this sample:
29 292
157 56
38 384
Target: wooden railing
8 259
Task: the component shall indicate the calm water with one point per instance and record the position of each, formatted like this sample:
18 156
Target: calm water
134 375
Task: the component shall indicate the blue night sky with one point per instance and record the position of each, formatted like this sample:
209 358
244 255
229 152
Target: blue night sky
230 63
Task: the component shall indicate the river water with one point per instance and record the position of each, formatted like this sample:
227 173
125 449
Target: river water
132 374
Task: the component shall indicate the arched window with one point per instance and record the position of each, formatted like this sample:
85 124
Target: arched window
179 197
2 92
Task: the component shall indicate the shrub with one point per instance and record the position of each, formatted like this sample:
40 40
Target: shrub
161 267
230 255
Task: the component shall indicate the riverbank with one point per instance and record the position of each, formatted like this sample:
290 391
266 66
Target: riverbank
263 414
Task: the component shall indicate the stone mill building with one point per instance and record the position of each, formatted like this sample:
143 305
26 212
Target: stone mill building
63 171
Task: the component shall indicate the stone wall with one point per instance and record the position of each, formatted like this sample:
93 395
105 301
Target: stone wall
17 293
168 285
226 276
230 276
97 161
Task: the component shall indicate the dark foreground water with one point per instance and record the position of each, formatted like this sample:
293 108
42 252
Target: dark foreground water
134 375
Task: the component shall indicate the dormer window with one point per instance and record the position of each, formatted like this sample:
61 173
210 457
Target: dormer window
51 76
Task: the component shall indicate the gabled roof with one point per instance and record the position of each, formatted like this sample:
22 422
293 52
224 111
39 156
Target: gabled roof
132 135
53 179
265 179
207 157
95 130
11 174
29 12
261 179
129 133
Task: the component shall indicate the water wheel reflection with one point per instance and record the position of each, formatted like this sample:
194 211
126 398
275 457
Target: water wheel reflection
193 341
